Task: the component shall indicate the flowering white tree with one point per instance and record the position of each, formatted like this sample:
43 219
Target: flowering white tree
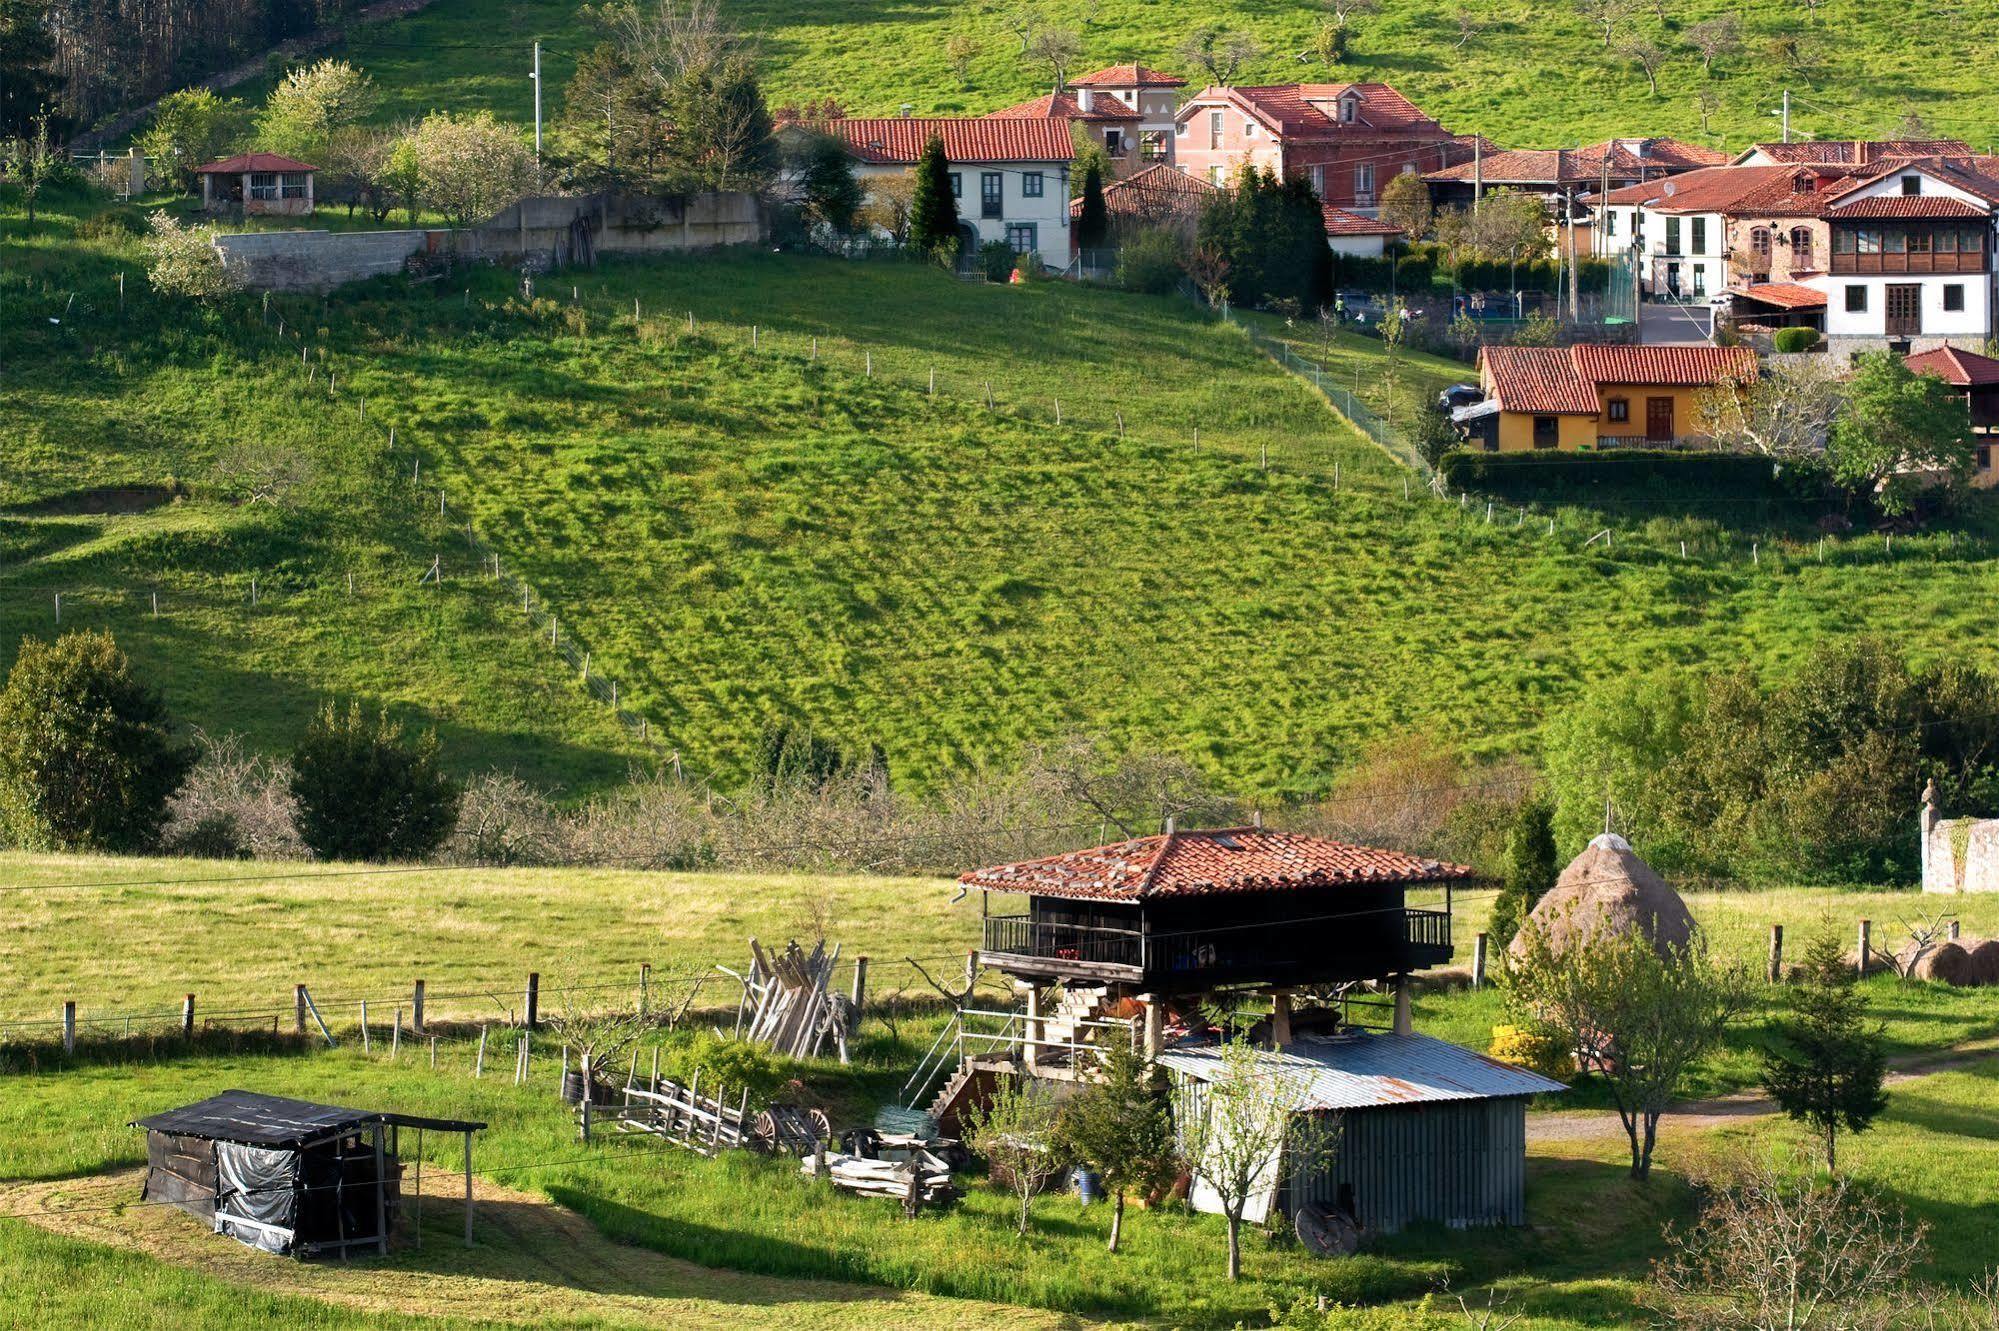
181 260
470 166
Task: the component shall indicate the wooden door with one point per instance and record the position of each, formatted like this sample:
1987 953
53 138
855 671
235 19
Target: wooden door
1659 419
1904 308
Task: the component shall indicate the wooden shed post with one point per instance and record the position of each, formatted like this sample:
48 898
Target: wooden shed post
1280 1019
1776 953
69 1026
416 1010
1479 945
533 1000
468 1189
1866 946
381 1194
298 1007
187 1018
860 992
1030 1056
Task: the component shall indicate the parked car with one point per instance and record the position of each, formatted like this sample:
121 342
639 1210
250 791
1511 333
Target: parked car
1459 395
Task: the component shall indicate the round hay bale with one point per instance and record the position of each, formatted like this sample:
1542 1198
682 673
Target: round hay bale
1984 954
1946 963
1607 891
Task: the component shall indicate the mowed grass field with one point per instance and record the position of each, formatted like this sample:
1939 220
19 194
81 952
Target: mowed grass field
1532 73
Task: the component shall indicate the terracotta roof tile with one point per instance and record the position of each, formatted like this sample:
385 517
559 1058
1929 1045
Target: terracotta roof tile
1582 166
1152 194
1785 295
901 138
1965 369
1128 76
1563 381
1916 205
1340 222
1301 112
1185 864
1859 152
1064 106
237 165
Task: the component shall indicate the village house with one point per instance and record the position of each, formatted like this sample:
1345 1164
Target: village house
1158 197
1559 175
258 184
1010 177
1846 152
1596 396
1348 139
1975 379
1357 235
1127 108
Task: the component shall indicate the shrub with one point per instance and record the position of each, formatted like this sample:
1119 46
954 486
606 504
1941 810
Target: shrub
1791 340
996 260
181 260
88 757
1532 1048
727 1064
365 794
1151 262
235 805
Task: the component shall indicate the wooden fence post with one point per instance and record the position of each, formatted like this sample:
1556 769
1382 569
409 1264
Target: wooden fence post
187 1018
1866 946
860 993
645 987
479 1062
416 1010
69 1026
1478 961
1776 953
533 1002
364 1025
396 1036
298 1007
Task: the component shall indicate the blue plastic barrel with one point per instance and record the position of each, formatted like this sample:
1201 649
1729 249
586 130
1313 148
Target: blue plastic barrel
1088 1186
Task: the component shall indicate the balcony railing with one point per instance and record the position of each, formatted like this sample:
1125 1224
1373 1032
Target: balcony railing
1867 265
1020 936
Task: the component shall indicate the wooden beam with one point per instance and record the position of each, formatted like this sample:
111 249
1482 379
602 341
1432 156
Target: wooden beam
381 1194
468 1189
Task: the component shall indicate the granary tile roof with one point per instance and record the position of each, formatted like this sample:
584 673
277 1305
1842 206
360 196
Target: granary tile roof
1156 191
1374 1070
1208 863
1302 112
1918 205
1563 381
1064 106
1785 295
1128 76
1340 222
237 165
1965 369
900 139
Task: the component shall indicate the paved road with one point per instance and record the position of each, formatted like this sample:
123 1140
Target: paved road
1660 323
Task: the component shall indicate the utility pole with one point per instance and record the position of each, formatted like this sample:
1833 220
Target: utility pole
1787 115
1477 178
537 103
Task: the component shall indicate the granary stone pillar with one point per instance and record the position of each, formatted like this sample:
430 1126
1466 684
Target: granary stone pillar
1030 1049
1155 1025
1927 823
1404 1023
1280 1018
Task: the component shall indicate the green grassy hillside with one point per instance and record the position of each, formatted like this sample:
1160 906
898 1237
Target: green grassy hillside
1533 75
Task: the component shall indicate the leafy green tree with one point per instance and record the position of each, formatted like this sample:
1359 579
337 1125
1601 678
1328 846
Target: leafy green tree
1530 870
1639 1017
28 86
313 105
189 129
933 213
827 187
1093 223
1122 1127
1270 234
1405 202
1015 1133
1898 430
1826 1065
88 754
1151 261
365 793
1090 152
613 129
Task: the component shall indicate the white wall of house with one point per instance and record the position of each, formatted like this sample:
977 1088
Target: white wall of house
1685 255
1030 202
1363 247
1954 306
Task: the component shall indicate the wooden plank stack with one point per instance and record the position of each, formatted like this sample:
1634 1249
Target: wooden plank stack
788 1003
921 1180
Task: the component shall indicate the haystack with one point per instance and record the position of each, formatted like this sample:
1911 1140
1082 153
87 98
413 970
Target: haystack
1943 963
1605 892
1984 953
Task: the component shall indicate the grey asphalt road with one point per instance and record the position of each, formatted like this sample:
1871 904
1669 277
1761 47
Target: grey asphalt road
1661 323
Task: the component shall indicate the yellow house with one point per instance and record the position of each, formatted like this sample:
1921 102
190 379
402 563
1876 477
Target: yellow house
1602 396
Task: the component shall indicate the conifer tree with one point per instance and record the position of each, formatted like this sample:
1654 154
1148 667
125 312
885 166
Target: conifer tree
1093 224
1529 872
1122 1127
933 213
1826 1065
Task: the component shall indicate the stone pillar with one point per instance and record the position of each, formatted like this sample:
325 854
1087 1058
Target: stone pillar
1030 1055
1404 1023
1280 1019
1155 1025
1927 823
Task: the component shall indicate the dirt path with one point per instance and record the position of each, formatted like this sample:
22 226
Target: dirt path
1705 1115
535 1263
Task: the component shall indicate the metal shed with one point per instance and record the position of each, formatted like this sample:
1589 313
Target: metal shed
288 1176
1428 1130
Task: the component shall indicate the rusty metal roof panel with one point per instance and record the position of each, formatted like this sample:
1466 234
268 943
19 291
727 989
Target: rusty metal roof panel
1374 1070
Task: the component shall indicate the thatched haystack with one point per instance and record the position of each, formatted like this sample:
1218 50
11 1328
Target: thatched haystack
1608 891
1942 963
1984 954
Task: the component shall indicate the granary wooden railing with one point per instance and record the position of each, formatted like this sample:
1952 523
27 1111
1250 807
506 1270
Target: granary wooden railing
1019 936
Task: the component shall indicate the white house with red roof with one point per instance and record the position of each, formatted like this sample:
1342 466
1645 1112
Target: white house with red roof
1152 96
1009 175
258 184
1348 139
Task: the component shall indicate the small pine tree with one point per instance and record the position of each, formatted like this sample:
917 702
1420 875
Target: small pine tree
933 213
364 793
1826 1065
1530 870
1122 1127
1093 223
88 756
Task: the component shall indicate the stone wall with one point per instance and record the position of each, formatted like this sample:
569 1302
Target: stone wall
1960 854
547 230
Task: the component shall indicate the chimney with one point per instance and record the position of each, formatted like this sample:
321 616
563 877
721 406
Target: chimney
1083 96
1170 821
907 110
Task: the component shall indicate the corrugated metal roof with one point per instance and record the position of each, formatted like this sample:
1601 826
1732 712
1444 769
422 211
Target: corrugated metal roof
1373 1070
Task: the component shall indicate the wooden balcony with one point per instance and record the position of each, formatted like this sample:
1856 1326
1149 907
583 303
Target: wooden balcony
1875 265
1021 945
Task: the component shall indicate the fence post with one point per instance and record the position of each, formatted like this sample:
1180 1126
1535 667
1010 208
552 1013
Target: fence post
479 1061
645 987
1776 953
416 1010
396 1036
1953 931
1478 961
364 1025
1866 945
69 1026
533 1002
298 1007
187 1018
860 993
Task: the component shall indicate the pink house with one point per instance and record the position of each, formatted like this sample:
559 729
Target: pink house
257 183
1348 139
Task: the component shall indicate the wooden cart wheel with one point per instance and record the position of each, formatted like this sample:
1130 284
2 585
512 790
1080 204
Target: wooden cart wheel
763 1133
822 1126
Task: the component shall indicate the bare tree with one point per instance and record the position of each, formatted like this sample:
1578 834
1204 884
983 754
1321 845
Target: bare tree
1135 792
1023 21
1645 53
961 50
1607 16
1468 27
1782 412
1772 1251
1344 11
264 473
1912 125
1706 102
1715 38
1219 53
1015 1132
1057 49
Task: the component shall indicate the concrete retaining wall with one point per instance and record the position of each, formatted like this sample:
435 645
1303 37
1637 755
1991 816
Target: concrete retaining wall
549 230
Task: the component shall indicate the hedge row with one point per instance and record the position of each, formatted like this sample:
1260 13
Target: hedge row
1690 476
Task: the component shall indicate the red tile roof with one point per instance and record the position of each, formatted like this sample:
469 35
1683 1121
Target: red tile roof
1582 166
1859 152
1303 112
1965 369
1563 381
1064 106
262 162
1720 189
1913 205
1186 864
1153 194
1785 295
1128 76
1340 222
901 139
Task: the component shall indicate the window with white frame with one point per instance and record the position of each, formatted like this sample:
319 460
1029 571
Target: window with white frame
1021 236
1363 180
